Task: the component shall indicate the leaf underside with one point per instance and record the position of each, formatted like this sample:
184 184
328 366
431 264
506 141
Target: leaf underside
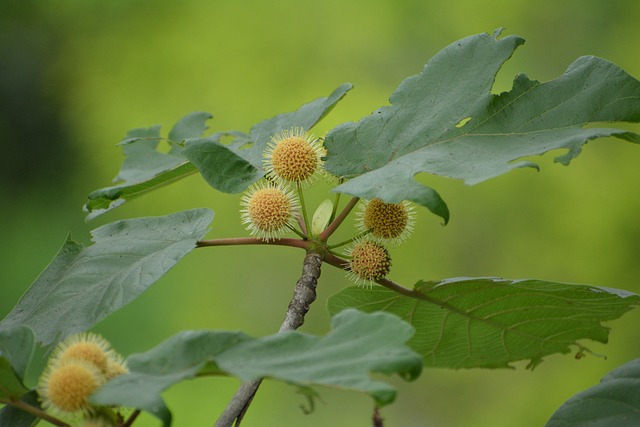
613 402
445 121
491 322
358 344
81 285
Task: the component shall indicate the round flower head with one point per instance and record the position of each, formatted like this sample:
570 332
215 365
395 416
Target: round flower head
387 222
65 387
369 262
268 210
87 347
293 156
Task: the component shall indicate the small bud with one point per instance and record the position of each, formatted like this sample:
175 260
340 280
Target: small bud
369 262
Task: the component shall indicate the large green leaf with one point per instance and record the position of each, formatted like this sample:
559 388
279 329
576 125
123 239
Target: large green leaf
613 402
83 285
446 121
233 167
358 344
491 322
144 168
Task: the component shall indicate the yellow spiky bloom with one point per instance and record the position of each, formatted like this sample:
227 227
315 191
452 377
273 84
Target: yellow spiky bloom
293 155
369 261
268 210
387 222
65 386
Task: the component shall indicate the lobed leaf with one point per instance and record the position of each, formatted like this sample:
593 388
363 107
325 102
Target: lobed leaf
491 322
82 285
446 121
613 402
144 168
231 168
358 343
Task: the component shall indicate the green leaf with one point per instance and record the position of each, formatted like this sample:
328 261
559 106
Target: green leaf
144 168
17 346
81 286
446 121
178 358
359 343
13 417
231 168
10 385
491 322
613 402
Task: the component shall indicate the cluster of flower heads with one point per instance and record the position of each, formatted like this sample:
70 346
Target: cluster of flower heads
76 369
380 223
271 207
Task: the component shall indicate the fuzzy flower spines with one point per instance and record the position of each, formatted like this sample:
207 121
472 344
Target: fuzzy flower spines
66 387
268 210
370 261
387 222
293 156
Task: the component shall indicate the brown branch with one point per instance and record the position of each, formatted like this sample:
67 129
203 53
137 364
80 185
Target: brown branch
23 406
304 295
341 217
239 241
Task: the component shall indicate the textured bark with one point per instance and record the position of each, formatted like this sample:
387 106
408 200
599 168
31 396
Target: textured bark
304 295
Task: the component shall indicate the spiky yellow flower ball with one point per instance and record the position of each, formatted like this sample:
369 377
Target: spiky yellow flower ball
268 210
369 262
65 387
388 222
88 347
293 155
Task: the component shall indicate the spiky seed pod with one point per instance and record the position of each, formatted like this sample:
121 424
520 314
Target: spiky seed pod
65 387
388 222
370 261
268 210
293 155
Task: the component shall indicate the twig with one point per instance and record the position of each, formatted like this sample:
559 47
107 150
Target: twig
341 217
131 418
237 241
34 411
377 419
304 295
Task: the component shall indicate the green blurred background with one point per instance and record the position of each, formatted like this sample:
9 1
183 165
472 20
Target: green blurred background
75 76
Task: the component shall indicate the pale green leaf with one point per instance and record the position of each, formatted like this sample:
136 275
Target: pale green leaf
357 345
83 285
146 168
613 402
232 167
446 121
491 322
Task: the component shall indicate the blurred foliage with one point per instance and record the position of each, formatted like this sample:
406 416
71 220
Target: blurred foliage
75 76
